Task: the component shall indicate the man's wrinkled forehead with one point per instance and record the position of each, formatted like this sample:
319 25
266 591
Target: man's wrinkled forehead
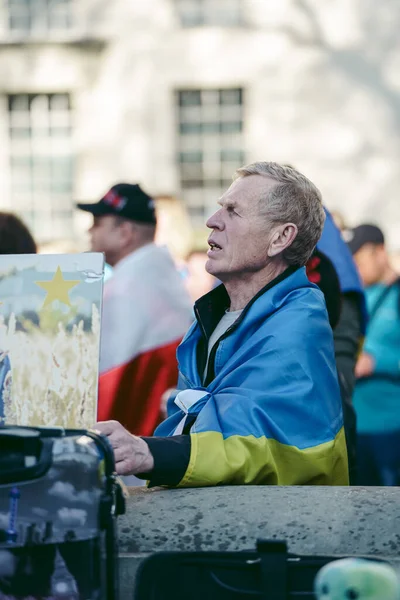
247 190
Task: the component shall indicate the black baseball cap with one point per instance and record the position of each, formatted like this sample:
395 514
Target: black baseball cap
363 234
125 200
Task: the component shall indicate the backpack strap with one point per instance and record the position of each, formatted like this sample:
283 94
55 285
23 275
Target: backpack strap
273 556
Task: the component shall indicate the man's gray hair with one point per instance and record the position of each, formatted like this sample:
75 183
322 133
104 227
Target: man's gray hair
295 199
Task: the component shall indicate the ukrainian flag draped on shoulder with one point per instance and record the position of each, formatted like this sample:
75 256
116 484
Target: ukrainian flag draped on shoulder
272 412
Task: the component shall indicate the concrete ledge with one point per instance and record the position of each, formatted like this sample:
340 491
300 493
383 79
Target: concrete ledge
313 520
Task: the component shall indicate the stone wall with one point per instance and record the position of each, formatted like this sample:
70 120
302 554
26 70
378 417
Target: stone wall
313 520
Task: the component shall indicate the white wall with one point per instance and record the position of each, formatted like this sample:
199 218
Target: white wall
322 91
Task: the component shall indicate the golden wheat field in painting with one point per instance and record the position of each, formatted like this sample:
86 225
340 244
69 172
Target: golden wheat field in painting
52 348
53 380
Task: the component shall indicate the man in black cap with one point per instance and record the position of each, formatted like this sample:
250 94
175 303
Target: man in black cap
146 310
367 245
377 393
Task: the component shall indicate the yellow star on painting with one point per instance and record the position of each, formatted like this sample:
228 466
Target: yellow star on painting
57 288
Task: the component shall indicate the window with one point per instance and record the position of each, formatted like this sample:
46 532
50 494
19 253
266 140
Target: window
39 16
210 140
224 13
41 162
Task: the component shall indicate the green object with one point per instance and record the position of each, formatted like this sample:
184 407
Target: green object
357 579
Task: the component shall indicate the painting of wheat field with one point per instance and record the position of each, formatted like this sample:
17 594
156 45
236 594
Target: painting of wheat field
50 307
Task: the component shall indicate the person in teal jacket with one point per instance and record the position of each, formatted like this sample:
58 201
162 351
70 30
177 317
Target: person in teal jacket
377 392
258 399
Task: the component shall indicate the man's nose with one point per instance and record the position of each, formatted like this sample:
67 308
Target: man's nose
215 221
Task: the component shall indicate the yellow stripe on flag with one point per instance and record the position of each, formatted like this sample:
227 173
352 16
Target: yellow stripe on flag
241 460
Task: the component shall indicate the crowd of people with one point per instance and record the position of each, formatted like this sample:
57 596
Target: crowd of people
274 358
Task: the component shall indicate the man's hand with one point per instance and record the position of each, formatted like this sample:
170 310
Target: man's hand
132 454
365 365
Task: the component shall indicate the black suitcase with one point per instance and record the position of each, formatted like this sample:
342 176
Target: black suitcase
270 573
59 499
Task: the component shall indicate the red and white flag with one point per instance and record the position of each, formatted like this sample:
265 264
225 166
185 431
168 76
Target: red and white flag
146 312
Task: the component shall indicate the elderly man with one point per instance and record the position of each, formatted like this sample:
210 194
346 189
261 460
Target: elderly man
258 400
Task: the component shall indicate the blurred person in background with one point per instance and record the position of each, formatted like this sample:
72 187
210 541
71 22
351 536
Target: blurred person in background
174 229
146 310
377 393
338 219
198 281
333 269
15 238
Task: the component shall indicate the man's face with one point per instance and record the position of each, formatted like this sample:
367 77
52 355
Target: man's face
105 236
240 237
371 260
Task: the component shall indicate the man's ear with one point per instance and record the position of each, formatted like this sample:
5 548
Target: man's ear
128 230
282 237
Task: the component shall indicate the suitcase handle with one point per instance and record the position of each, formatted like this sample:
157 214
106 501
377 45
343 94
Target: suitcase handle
31 455
273 555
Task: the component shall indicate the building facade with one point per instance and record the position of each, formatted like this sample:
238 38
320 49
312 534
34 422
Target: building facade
175 94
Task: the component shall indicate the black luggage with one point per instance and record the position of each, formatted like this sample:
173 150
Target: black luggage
59 499
270 573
